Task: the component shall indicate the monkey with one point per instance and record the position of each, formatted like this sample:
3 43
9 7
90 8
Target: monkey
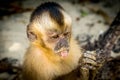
53 51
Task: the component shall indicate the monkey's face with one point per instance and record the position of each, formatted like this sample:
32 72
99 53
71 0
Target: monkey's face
58 41
53 32
57 37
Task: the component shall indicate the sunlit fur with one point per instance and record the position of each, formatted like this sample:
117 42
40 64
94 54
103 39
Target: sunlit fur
41 62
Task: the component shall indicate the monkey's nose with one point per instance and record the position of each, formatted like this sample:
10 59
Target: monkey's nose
62 43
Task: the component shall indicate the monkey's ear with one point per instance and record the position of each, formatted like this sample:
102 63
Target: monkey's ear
30 34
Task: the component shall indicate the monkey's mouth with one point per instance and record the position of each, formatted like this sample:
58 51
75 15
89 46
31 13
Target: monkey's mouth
63 52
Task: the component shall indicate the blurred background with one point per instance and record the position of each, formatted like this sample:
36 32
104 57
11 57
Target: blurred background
90 19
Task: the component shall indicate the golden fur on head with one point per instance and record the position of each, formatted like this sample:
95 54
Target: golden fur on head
43 25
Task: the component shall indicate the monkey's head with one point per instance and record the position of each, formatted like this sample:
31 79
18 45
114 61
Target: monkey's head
50 27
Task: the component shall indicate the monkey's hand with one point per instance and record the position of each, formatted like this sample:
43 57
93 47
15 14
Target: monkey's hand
89 60
89 65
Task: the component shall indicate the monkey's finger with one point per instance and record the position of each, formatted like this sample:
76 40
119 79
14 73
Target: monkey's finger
88 66
91 52
89 61
90 56
91 67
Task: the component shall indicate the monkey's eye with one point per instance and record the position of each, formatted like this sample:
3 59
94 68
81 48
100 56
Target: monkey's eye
67 34
55 37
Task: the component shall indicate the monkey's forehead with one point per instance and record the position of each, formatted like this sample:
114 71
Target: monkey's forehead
52 8
46 22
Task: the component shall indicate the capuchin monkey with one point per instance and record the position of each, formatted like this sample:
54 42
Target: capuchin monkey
52 52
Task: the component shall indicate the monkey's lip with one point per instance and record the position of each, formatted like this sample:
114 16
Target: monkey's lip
63 52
